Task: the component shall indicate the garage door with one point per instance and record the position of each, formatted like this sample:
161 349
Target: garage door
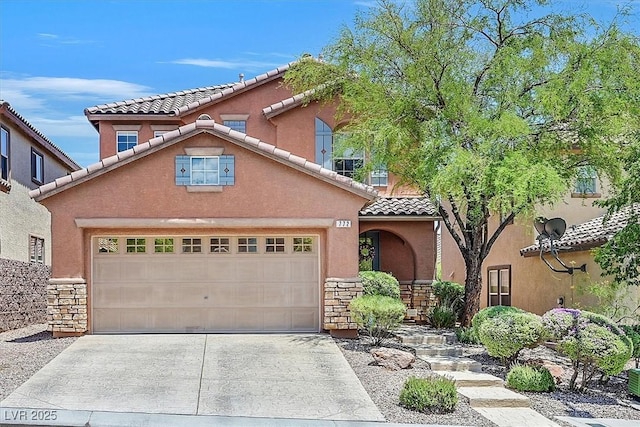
205 284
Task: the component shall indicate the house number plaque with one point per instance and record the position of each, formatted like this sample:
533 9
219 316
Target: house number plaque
343 223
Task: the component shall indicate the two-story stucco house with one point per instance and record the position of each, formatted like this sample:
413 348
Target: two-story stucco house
224 208
27 160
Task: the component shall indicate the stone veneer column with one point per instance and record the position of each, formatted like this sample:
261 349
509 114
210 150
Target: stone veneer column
338 294
67 307
418 295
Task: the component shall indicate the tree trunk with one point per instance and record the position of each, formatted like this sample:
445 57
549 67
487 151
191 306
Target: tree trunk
472 289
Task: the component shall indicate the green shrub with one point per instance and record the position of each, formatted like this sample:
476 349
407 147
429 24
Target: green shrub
506 335
592 342
377 315
467 336
530 378
490 312
450 294
442 316
434 394
380 283
633 333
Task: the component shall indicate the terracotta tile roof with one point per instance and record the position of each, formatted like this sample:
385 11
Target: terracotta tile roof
589 234
399 206
177 103
158 104
8 111
286 104
199 126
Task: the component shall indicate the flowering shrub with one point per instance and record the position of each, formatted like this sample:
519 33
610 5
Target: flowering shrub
380 283
506 335
592 342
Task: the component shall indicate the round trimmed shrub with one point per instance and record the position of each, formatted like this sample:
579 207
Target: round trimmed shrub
506 335
490 312
380 283
377 315
530 378
431 395
593 342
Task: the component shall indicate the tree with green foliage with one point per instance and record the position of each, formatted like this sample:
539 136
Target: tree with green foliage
619 258
488 107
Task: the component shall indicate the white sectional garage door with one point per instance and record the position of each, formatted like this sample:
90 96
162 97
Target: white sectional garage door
205 284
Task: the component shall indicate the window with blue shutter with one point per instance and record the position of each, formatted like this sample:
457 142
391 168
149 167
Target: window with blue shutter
227 170
204 170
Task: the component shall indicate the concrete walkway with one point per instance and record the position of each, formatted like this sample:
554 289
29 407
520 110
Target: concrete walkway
269 376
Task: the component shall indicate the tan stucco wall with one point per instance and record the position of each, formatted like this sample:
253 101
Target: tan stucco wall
20 216
534 286
146 189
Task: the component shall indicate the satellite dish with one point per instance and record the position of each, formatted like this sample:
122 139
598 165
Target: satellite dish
555 228
538 223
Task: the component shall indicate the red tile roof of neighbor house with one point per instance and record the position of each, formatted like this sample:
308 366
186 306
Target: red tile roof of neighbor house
178 103
399 206
203 126
589 234
8 111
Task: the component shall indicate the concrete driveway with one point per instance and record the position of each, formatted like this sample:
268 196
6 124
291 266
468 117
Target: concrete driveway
273 376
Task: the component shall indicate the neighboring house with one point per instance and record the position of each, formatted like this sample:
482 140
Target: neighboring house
225 209
27 160
513 273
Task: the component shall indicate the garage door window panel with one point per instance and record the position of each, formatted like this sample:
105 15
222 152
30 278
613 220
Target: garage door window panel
136 246
274 245
303 244
247 245
108 245
191 245
220 245
163 245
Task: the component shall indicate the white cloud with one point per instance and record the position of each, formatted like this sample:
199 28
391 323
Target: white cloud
73 87
72 126
53 39
229 65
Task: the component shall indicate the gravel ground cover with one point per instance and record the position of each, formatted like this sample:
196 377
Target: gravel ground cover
384 386
23 352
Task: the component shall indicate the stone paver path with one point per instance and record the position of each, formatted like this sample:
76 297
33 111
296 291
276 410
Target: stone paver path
486 393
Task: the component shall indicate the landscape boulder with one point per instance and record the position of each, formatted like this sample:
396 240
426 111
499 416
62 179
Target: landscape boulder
392 358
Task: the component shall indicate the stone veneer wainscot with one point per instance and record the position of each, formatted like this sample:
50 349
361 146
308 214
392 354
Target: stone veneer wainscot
67 306
338 294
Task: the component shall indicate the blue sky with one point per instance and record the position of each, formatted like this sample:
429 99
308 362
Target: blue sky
58 57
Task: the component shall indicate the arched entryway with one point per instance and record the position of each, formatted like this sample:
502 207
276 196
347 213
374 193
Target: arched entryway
390 253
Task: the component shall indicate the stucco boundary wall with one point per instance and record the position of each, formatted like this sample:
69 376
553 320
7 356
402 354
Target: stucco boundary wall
338 293
67 307
23 289
417 295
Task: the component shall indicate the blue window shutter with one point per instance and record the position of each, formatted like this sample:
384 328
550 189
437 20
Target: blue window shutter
227 170
183 170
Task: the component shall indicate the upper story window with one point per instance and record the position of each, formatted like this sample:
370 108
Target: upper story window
204 170
37 167
380 176
586 182
346 162
4 153
324 145
157 133
239 125
36 250
126 139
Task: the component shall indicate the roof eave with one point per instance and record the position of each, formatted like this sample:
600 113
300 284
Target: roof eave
367 218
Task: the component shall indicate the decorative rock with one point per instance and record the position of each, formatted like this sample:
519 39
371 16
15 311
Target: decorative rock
556 371
392 358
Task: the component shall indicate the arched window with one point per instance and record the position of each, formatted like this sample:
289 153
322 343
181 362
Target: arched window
324 144
343 161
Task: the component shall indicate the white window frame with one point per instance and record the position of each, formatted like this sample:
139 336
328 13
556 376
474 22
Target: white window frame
36 249
128 143
379 177
586 181
237 125
5 151
205 170
37 166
